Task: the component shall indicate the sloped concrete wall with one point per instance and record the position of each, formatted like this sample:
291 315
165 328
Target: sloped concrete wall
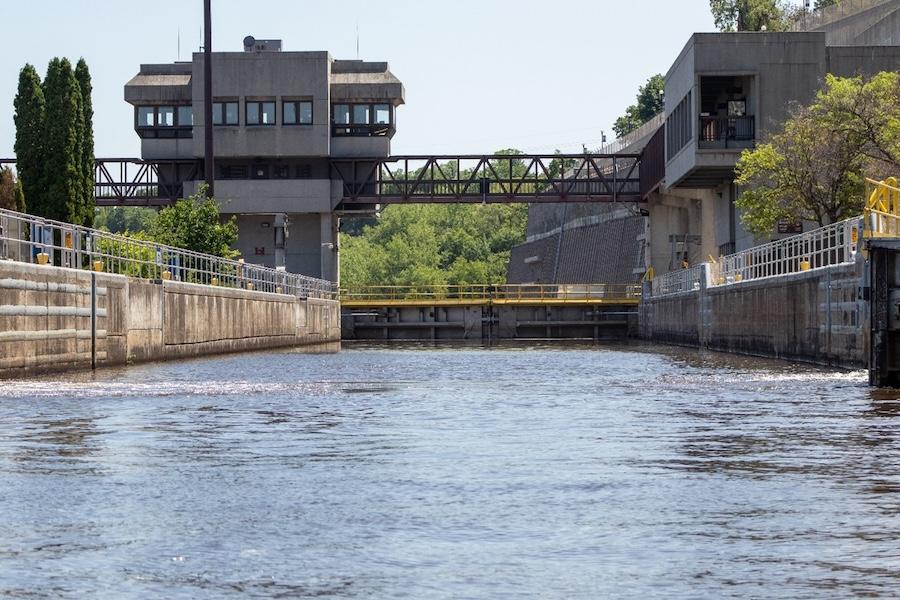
45 322
815 317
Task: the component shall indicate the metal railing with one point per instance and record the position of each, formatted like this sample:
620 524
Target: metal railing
676 282
719 131
492 293
30 239
833 244
882 211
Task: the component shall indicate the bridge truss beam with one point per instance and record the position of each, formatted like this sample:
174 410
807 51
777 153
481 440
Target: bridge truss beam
488 179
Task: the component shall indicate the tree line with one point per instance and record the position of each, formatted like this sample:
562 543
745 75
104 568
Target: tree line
55 142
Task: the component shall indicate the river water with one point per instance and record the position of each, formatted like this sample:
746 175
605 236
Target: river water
422 472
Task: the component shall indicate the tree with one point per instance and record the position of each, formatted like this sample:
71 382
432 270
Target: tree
823 3
751 15
63 135
649 104
866 111
194 224
7 189
83 76
813 168
30 115
125 219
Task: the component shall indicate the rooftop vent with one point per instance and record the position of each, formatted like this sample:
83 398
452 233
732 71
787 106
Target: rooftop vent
251 44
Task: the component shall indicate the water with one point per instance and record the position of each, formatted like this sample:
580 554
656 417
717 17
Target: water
586 472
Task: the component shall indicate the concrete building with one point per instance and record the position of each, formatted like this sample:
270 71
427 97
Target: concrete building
279 117
724 92
727 91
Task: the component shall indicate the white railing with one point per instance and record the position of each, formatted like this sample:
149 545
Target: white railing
30 239
827 246
834 244
682 280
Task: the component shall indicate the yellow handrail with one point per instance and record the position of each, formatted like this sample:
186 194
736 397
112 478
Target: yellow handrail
492 293
882 211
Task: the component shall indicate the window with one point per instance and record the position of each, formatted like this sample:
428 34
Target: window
260 113
382 114
360 114
297 112
362 120
225 113
165 116
185 116
341 114
145 116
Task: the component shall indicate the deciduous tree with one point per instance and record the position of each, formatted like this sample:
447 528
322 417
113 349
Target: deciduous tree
649 103
194 224
751 15
814 167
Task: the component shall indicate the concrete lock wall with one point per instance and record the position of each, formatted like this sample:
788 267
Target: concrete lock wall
45 320
815 316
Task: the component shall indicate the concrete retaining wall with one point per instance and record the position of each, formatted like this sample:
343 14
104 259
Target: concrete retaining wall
814 316
45 320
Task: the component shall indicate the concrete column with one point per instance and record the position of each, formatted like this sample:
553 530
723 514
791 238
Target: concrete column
709 245
329 246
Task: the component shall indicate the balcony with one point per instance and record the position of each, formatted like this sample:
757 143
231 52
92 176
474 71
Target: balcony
727 132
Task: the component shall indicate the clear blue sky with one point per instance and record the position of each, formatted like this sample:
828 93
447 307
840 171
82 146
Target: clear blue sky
479 74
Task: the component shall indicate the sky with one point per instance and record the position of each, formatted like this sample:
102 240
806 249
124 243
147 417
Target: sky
480 75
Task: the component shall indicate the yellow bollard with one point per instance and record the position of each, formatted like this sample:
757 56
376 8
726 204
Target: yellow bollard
166 275
250 287
214 281
804 265
738 277
98 266
43 258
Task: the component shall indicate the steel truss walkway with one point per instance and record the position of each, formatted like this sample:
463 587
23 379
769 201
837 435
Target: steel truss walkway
405 179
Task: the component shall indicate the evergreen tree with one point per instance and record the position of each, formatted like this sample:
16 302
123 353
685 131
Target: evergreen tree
83 75
63 135
649 103
30 113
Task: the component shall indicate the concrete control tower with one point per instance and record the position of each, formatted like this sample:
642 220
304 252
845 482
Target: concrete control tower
279 118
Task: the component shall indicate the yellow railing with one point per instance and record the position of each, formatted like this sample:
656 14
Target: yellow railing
882 211
491 294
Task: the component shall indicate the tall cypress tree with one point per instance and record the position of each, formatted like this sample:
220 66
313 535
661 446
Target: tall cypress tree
63 133
30 116
83 75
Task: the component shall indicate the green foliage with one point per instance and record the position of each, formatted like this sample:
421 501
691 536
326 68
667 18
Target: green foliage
83 76
19 194
434 244
428 244
63 132
649 104
823 3
7 189
55 143
813 168
751 15
194 224
30 115
125 219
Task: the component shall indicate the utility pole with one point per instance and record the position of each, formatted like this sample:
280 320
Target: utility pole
208 166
